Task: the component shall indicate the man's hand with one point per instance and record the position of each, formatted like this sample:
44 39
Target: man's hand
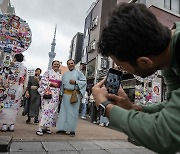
100 93
27 94
123 101
53 84
72 81
36 78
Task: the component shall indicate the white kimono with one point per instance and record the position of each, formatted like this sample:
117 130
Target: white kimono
49 107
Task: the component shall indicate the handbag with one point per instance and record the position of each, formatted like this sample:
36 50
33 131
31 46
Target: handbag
74 98
47 93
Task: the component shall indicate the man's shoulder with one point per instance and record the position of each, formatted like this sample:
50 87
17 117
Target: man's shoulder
177 25
80 72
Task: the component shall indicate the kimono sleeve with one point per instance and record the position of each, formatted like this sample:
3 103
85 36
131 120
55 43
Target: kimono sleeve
62 87
43 84
81 82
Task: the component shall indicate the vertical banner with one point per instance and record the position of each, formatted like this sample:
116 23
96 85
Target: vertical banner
156 90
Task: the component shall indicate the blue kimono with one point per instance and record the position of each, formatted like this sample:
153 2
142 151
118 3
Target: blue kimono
68 116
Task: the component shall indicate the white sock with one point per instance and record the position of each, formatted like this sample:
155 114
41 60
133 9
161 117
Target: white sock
4 127
11 127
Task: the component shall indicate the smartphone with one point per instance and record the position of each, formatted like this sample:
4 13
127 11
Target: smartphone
113 81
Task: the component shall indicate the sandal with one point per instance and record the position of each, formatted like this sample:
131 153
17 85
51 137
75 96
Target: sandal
39 132
11 128
72 134
47 131
4 128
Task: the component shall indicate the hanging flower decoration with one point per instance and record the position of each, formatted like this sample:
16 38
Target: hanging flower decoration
15 34
147 79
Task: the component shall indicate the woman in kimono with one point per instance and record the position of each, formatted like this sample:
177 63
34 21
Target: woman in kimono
33 97
50 82
14 82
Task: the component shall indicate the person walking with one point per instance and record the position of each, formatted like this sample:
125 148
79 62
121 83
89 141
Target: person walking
32 94
93 110
103 121
84 105
49 90
68 117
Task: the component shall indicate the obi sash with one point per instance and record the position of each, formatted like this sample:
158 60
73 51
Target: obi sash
56 81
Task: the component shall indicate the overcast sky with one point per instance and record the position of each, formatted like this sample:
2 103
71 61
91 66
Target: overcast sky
42 15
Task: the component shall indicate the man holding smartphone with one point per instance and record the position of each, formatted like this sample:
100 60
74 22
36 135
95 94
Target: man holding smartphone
135 40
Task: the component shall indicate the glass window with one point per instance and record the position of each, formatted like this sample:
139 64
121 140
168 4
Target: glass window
87 32
104 63
142 1
92 46
1 1
94 23
172 5
167 4
85 51
175 6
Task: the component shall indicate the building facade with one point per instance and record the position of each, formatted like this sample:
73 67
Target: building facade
76 47
96 65
167 12
6 7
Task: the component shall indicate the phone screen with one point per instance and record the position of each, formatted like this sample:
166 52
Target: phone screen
113 81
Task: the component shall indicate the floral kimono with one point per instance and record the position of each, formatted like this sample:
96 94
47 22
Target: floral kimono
11 89
49 107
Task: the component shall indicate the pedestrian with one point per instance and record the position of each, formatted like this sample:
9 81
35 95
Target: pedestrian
93 110
16 83
68 117
103 121
34 100
138 42
84 105
49 89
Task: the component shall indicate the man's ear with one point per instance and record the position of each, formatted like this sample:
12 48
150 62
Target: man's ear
144 62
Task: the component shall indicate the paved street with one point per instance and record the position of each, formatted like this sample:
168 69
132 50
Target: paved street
90 138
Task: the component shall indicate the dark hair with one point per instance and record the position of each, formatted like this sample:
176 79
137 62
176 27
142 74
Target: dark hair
133 31
55 61
38 69
71 60
19 57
